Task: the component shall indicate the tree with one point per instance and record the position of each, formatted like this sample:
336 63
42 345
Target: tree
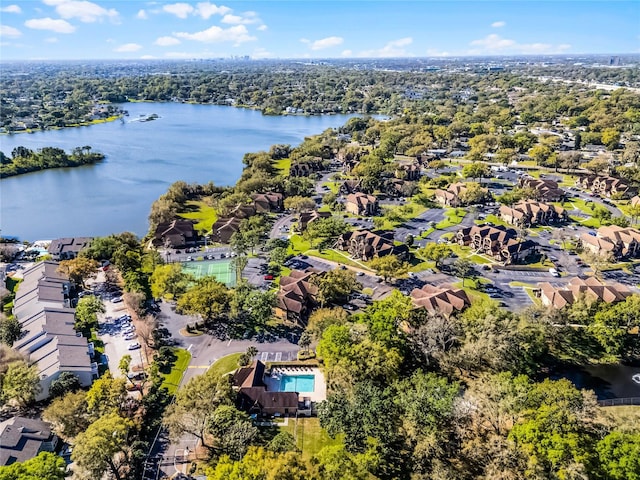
20 383
597 165
304 341
335 286
436 252
65 383
10 330
477 170
260 464
68 415
101 447
232 429
46 466
79 269
207 298
169 280
87 313
282 442
194 403
601 213
124 365
106 395
634 213
619 455
541 153
299 204
322 318
610 138
324 229
463 269
389 266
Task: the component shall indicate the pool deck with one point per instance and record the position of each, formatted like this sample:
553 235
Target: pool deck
320 387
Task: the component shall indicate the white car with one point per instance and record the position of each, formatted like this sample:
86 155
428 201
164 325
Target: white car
134 346
130 336
554 272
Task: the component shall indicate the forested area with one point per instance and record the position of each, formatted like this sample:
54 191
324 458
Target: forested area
24 160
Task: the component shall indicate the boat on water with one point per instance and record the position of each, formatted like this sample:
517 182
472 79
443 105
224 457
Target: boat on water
146 118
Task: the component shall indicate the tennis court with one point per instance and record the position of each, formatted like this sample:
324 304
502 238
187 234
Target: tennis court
221 269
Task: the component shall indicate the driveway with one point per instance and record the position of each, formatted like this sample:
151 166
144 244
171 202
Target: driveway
278 229
416 225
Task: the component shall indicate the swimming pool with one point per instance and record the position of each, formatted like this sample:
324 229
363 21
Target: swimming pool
297 383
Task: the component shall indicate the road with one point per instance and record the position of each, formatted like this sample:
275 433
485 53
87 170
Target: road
416 225
281 226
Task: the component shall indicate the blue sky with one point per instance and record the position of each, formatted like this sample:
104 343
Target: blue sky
132 29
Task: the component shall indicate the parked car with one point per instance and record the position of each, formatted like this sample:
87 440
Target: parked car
134 346
116 299
268 277
130 336
348 306
554 272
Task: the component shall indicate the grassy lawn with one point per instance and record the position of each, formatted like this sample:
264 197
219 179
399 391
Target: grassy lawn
332 186
521 284
310 437
203 213
336 256
225 364
172 378
578 203
422 265
493 219
471 286
451 218
479 259
283 165
589 222
298 245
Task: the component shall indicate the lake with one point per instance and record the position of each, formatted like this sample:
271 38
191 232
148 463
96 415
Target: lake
195 143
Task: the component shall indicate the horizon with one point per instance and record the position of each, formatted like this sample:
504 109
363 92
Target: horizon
61 30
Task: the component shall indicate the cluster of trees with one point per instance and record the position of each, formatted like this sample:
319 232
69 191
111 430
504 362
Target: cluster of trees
110 430
24 160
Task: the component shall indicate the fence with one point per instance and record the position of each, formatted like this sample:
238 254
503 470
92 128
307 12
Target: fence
612 402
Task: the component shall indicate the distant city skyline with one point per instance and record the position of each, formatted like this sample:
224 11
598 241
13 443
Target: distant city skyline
126 29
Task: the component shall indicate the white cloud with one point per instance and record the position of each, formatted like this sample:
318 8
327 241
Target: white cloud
142 15
57 25
86 12
347 53
395 48
498 24
180 10
215 34
7 31
166 41
263 28
305 40
494 44
147 57
247 18
434 52
128 47
51 40
206 9
326 43
259 53
11 9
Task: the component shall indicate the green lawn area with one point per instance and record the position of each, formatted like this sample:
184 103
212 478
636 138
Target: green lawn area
333 186
310 436
336 256
225 364
172 378
298 245
589 222
203 213
479 259
493 219
451 218
283 165
583 205
471 286
422 265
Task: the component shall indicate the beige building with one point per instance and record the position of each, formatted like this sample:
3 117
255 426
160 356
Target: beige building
531 213
361 204
443 299
590 288
614 241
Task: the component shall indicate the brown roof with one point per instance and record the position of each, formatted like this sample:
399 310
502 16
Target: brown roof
296 292
246 377
590 287
361 199
444 299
